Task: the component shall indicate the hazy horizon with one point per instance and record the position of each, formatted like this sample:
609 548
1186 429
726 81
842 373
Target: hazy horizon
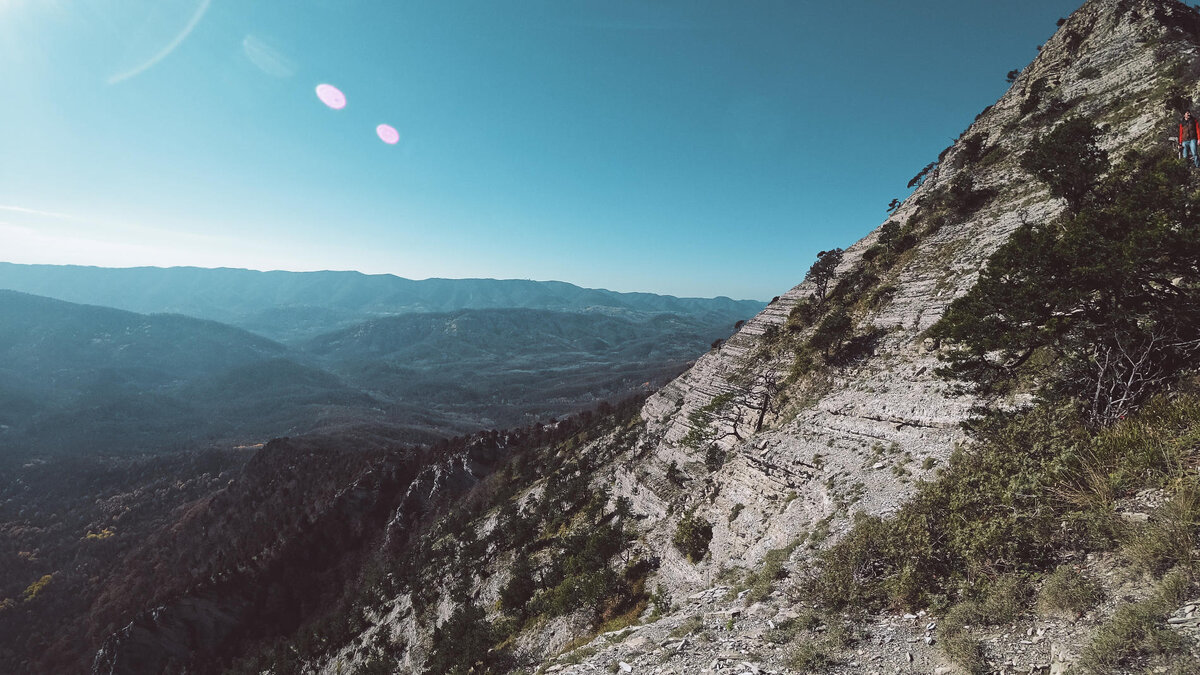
380 274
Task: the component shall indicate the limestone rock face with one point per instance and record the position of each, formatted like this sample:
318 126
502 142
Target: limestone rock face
875 424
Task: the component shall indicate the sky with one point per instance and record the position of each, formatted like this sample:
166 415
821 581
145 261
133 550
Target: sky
687 147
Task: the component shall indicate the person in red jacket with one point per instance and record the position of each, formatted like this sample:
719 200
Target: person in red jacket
1189 132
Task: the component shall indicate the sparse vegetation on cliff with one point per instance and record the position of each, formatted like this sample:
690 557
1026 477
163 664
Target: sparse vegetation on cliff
1098 313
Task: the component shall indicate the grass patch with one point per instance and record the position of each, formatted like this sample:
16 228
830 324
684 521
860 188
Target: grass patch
624 620
966 651
1170 537
1068 592
577 656
690 625
1137 631
813 654
810 655
762 581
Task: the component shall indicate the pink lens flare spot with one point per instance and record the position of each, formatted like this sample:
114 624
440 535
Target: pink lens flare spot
331 96
388 134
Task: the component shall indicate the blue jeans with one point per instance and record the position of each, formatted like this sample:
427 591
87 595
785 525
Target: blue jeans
1189 150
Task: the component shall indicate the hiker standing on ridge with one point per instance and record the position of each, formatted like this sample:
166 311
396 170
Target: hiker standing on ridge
1189 132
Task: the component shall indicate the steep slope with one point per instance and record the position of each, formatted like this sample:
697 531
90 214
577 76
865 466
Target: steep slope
764 449
273 550
891 398
292 306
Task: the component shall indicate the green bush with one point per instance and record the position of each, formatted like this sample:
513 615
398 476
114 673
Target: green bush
520 587
463 644
832 332
1068 159
1005 600
661 600
961 617
735 511
692 536
998 492
1033 96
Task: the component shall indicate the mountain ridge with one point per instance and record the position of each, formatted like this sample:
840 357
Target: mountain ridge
290 306
83 378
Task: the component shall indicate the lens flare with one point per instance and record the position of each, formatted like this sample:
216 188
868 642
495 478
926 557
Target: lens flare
331 96
388 134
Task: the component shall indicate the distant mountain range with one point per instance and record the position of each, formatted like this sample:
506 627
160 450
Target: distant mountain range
293 306
83 379
78 379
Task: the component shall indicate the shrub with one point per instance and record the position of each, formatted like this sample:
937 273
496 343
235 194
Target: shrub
35 588
1068 160
972 148
692 537
961 617
1088 292
736 511
463 643
1006 598
832 331
1033 96
966 651
661 600
958 642
1176 586
802 315
520 587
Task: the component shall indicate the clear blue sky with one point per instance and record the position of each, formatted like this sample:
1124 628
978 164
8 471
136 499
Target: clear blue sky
687 147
